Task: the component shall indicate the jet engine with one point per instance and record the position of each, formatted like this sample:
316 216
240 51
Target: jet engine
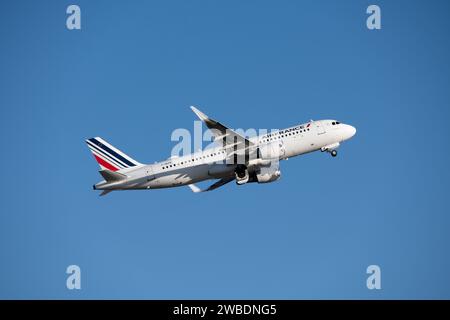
268 176
242 175
261 174
262 169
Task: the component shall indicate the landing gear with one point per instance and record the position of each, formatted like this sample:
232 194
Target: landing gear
331 149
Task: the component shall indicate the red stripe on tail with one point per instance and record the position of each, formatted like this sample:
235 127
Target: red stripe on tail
105 164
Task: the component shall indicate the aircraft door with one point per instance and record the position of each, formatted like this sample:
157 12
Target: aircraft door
282 150
320 128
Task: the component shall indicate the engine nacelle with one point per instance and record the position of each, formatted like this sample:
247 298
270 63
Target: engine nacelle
257 163
268 171
269 176
242 175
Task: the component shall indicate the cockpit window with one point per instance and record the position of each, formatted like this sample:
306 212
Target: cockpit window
337 122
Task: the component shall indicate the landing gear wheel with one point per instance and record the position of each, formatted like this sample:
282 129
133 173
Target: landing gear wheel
333 153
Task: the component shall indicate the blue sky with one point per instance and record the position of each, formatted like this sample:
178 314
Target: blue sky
130 76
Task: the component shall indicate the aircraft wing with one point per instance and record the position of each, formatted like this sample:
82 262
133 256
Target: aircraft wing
231 140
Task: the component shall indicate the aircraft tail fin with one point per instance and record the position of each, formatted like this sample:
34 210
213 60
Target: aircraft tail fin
109 157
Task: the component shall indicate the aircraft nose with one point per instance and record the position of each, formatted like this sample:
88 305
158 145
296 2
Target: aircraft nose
352 131
349 132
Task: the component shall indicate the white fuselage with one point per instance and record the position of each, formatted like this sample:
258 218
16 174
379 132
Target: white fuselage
324 135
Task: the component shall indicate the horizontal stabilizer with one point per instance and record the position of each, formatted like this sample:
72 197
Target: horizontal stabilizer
112 176
105 192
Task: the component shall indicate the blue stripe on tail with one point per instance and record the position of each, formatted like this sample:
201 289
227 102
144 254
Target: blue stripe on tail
112 152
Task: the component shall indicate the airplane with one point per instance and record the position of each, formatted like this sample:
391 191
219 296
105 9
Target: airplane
236 157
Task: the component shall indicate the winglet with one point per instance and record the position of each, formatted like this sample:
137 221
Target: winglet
214 186
199 114
194 188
